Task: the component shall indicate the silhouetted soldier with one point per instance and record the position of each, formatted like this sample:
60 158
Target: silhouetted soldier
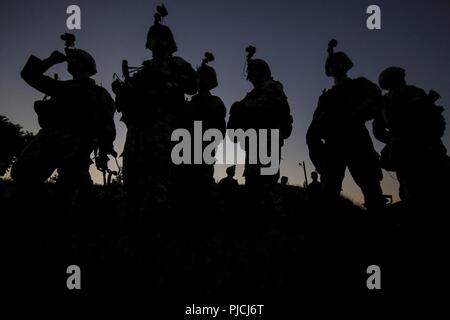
283 198
229 184
211 111
77 119
315 186
411 126
229 190
265 107
152 102
337 137
198 179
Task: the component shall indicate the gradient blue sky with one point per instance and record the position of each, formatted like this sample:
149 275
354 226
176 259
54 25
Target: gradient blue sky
291 35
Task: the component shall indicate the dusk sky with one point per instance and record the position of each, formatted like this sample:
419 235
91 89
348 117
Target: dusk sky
291 36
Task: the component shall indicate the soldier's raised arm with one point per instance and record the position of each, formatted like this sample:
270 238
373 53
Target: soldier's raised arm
34 69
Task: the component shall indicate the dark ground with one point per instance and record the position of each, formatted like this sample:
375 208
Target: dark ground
294 251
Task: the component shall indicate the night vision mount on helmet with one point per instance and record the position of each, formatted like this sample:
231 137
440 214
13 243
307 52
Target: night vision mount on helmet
79 59
208 74
336 57
158 31
258 64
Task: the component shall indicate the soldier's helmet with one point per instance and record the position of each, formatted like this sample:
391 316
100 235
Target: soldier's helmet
207 75
257 64
391 77
77 59
159 32
336 57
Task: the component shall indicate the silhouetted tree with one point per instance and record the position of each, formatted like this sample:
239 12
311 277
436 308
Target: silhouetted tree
13 138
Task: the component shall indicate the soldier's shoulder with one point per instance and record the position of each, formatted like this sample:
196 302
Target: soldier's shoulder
179 61
415 91
217 103
235 106
103 94
146 64
325 92
363 81
100 88
216 100
273 85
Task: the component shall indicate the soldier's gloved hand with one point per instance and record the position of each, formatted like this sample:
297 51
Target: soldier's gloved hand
112 152
108 149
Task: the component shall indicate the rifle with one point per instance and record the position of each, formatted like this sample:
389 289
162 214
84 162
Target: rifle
102 166
126 72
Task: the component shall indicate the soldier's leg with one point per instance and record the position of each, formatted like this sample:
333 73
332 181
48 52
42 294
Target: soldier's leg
403 188
251 175
417 184
366 171
74 181
135 169
270 194
159 178
332 175
270 180
147 169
